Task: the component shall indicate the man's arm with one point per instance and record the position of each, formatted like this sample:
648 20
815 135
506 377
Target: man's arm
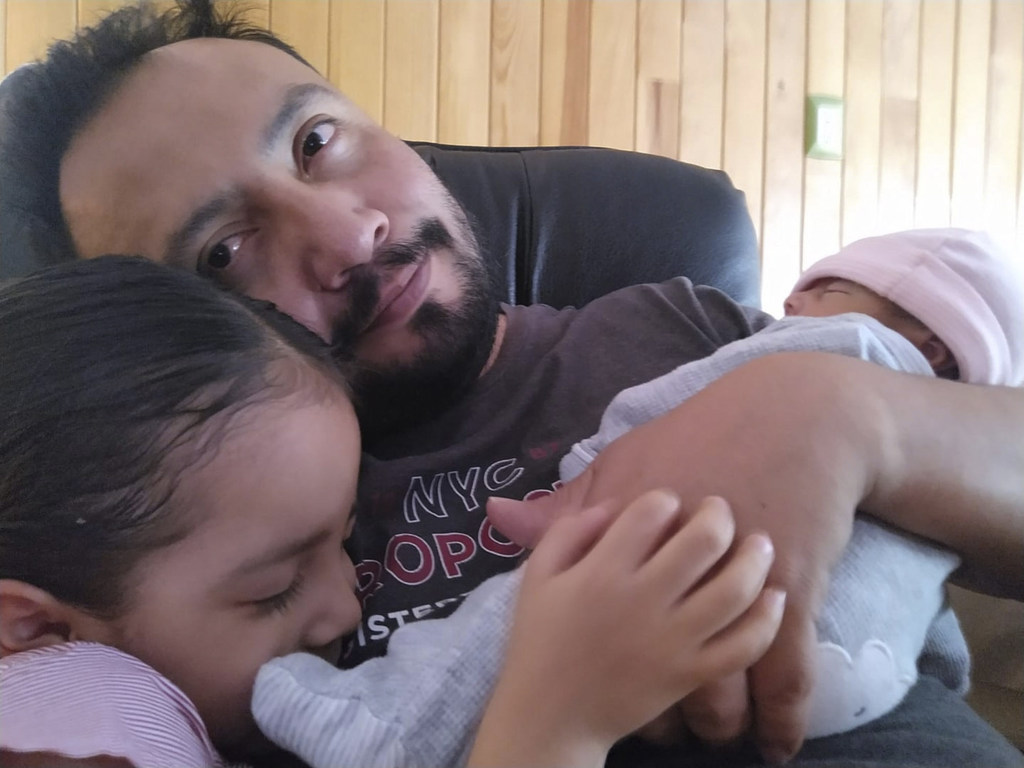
796 442
954 472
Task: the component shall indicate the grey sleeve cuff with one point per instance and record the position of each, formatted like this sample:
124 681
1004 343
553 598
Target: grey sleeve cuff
417 706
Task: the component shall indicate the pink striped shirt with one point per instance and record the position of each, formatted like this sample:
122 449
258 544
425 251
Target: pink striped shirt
86 699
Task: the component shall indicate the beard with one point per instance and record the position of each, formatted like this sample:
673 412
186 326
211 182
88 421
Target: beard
455 341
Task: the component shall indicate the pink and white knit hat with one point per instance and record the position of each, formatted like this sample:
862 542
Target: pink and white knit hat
958 283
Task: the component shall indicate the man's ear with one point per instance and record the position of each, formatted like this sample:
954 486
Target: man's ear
32 618
937 354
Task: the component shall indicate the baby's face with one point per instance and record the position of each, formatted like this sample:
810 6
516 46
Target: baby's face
835 296
264 572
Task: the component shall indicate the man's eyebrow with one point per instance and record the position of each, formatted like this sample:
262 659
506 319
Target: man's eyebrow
295 98
180 249
283 553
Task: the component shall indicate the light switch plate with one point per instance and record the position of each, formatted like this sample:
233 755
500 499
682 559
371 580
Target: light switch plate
823 132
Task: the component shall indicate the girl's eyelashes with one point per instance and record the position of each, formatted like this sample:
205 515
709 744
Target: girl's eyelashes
280 602
311 138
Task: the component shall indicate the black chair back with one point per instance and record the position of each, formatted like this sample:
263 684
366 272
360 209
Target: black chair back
563 225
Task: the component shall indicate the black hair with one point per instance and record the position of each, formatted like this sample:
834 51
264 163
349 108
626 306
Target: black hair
117 375
44 104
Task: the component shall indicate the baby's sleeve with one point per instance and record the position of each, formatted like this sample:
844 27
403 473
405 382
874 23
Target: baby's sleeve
417 707
84 700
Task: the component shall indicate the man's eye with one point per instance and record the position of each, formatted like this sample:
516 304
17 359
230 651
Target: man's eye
222 254
220 257
317 138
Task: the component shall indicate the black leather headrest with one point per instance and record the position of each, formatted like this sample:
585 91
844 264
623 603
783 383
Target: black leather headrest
563 225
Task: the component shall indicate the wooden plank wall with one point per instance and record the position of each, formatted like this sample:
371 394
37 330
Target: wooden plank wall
932 90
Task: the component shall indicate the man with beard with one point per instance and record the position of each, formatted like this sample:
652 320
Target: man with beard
203 143
456 340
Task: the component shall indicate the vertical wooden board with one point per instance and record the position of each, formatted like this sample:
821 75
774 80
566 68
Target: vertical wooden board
515 72
612 73
897 166
3 38
935 114
463 79
32 25
1020 194
1002 150
970 111
783 152
256 12
862 124
743 126
823 179
355 54
305 25
826 47
565 72
702 98
91 11
410 69
659 48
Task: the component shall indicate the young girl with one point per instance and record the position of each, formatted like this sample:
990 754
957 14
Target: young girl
177 471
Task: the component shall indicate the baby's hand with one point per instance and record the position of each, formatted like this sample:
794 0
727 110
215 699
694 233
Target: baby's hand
612 629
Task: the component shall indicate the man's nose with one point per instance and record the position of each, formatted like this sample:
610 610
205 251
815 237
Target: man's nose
324 233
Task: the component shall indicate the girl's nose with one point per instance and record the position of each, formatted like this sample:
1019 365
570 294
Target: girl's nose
339 612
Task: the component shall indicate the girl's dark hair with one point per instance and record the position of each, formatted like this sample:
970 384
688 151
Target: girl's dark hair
116 374
43 105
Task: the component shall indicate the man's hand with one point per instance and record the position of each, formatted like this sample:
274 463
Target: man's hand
794 451
717 714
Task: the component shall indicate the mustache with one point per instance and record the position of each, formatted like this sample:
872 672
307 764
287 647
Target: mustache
428 235
365 279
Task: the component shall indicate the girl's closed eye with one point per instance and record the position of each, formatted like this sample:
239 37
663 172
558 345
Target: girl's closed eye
280 602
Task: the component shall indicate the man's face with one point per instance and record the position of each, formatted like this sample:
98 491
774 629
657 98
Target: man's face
237 160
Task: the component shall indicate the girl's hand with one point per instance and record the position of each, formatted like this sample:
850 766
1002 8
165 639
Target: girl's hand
616 622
